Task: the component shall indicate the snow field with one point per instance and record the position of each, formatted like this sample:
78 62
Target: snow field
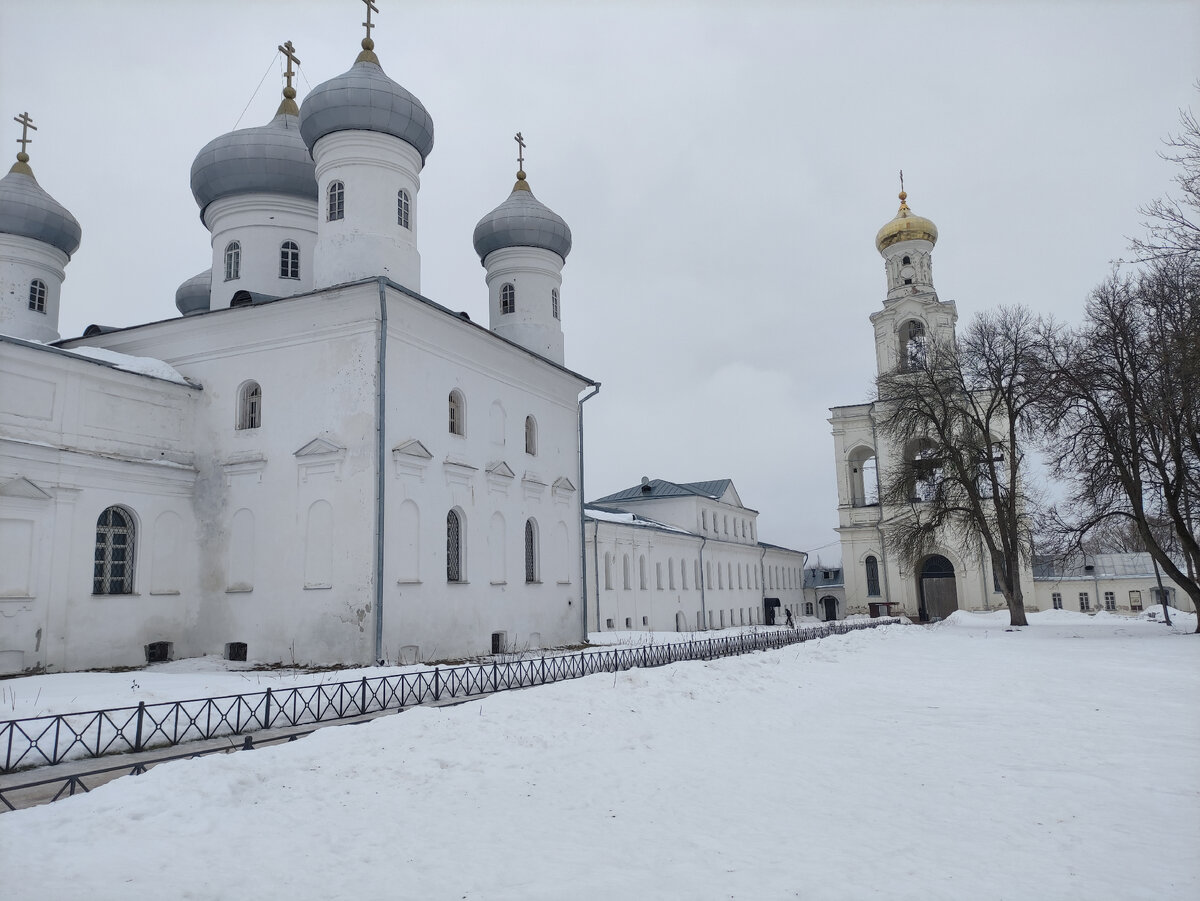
959 761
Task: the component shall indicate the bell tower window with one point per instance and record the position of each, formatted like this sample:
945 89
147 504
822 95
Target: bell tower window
508 299
554 303
912 344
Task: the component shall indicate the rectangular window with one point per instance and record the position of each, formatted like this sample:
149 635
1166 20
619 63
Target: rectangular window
1135 601
1056 600
1110 601
1085 603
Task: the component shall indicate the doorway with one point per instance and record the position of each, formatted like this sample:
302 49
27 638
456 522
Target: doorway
938 589
829 609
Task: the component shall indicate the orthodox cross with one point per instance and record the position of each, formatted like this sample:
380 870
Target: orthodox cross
290 52
26 125
520 151
901 179
371 7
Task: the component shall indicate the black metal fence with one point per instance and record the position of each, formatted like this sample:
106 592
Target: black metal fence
43 740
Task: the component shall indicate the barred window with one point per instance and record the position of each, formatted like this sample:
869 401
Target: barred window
37 296
113 572
249 406
872 567
457 413
337 201
531 551
403 208
554 303
233 261
454 547
508 298
289 260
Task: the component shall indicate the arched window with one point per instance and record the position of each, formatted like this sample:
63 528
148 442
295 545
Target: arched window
233 261
458 423
454 547
115 544
531 551
864 482
403 208
912 341
337 201
530 436
554 302
872 567
906 261
37 296
289 260
508 298
249 412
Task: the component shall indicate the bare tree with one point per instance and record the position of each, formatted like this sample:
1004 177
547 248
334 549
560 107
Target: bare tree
959 412
1173 223
1121 403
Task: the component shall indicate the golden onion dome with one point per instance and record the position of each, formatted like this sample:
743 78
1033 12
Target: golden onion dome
905 227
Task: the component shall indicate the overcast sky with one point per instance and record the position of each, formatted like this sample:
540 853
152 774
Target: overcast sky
723 166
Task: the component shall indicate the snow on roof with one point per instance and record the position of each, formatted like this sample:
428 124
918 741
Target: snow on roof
140 365
614 514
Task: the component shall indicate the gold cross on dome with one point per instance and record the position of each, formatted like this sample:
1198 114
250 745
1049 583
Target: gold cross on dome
371 7
26 125
901 179
520 150
290 52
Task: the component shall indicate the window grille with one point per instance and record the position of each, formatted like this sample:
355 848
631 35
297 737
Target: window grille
457 423
37 296
337 201
498 642
554 302
233 261
531 574
454 569
235 650
250 406
113 572
403 208
508 299
159 652
289 260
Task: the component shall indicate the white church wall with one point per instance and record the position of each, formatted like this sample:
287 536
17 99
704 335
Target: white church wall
260 223
21 261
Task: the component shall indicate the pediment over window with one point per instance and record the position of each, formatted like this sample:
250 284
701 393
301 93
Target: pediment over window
413 448
562 483
500 469
319 447
22 487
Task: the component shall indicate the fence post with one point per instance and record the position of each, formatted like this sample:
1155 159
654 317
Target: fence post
437 688
362 702
267 709
543 669
137 742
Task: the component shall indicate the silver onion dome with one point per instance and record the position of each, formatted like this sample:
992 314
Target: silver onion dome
522 221
269 159
27 210
365 99
195 295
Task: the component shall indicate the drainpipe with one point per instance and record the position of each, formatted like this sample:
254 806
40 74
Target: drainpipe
380 468
762 580
703 581
595 570
582 535
887 589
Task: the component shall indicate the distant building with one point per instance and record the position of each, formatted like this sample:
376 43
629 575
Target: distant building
667 556
1118 583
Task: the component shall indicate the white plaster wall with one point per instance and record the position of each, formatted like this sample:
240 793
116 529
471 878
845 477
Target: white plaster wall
369 241
1041 597
21 261
534 274
260 223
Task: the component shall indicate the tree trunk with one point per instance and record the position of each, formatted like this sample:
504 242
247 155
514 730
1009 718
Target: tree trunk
1016 611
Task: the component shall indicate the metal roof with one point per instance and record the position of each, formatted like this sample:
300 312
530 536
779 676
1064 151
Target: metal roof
522 221
1103 566
27 210
659 488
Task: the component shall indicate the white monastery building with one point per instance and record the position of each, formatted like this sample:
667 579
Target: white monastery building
314 462
669 557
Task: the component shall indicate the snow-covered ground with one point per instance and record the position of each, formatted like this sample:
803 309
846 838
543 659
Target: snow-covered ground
957 761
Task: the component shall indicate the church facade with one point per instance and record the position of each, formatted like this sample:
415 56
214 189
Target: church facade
314 462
